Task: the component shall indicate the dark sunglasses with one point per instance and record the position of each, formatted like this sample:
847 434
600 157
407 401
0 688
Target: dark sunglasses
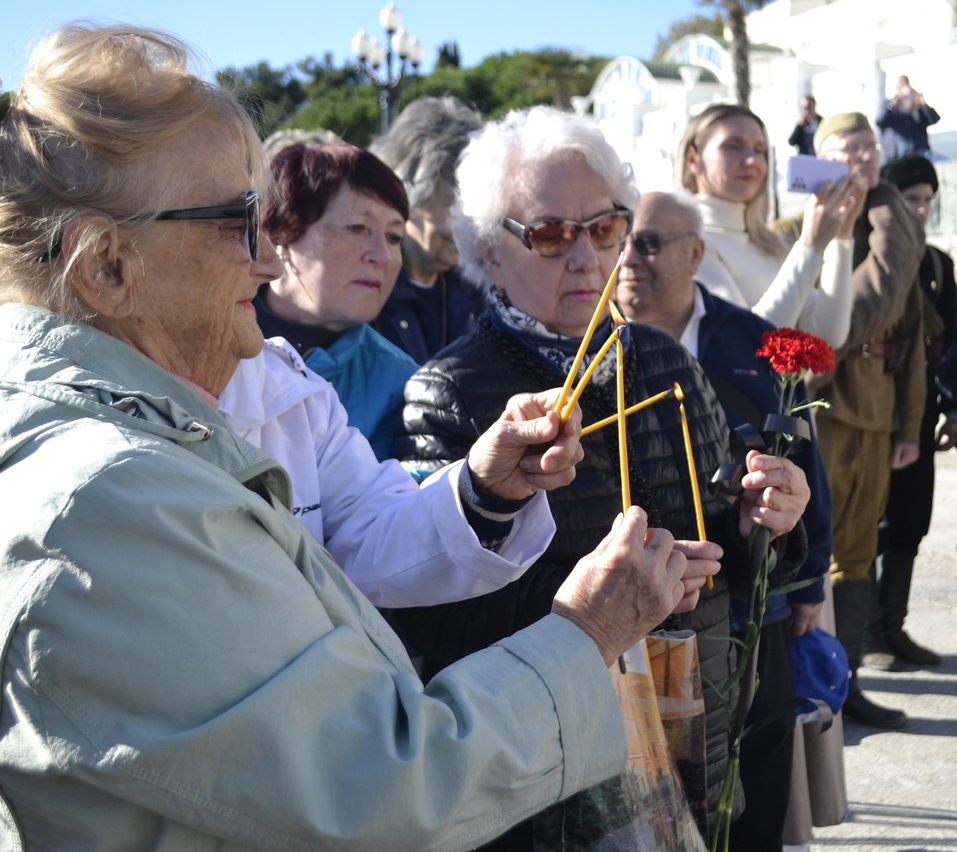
648 243
248 209
554 237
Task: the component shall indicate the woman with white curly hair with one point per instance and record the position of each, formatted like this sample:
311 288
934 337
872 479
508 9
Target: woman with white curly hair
544 209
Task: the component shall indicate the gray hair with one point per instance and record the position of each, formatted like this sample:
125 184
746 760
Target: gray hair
424 144
495 156
96 108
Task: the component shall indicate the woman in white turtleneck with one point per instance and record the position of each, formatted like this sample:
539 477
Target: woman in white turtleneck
724 162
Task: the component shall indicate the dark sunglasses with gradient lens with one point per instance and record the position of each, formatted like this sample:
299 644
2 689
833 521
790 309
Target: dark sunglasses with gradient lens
248 209
649 243
554 237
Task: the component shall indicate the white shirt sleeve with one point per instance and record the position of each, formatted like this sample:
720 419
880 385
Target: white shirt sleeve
785 299
405 545
402 545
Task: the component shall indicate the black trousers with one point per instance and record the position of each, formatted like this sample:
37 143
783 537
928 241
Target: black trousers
766 749
911 497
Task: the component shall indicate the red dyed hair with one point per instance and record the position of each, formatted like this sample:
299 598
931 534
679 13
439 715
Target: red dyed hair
308 176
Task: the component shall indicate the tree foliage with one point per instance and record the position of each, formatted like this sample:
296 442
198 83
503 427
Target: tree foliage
269 95
316 94
449 56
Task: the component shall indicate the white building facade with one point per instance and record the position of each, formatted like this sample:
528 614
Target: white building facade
848 54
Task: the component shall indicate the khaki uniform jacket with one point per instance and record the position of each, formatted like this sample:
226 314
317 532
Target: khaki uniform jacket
888 245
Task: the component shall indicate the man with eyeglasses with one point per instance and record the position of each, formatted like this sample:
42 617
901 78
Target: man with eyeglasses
876 393
656 285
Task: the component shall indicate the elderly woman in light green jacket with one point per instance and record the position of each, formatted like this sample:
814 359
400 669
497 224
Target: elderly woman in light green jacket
184 667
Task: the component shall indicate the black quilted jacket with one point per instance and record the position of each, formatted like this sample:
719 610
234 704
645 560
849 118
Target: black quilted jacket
456 396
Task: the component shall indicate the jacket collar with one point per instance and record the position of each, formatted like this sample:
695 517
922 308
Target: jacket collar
71 370
267 386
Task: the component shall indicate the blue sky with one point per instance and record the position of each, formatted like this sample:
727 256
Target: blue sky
243 32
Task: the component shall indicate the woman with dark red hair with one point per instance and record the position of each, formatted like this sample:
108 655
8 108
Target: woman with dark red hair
337 217
337 221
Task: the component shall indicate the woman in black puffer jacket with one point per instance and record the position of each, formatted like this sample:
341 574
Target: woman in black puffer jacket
453 399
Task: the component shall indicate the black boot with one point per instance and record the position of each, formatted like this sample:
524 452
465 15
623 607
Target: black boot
859 707
877 653
893 593
851 606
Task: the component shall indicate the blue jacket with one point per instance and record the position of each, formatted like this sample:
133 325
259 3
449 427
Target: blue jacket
411 322
369 374
727 340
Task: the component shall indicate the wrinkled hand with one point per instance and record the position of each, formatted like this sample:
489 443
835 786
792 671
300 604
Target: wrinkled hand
947 434
775 494
703 562
903 454
805 617
624 588
527 449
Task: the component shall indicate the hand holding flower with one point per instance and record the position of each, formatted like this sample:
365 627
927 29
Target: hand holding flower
775 494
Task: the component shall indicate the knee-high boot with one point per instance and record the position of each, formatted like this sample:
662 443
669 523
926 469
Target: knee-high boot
851 605
893 593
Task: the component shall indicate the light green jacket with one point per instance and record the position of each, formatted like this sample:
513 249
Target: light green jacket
184 667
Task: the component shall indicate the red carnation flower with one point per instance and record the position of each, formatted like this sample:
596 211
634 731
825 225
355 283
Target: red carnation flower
794 353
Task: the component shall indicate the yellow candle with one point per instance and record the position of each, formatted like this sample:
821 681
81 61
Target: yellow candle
580 387
692 472
622 417
607 421
589 333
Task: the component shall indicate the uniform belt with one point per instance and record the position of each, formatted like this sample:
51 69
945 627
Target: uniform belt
872 348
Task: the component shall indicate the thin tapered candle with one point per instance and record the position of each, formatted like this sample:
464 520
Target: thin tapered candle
589 333
692 472
607 421
622 430
580 387
619 321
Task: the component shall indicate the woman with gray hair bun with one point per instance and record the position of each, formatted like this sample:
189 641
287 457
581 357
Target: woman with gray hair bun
184 666
432 304
544 209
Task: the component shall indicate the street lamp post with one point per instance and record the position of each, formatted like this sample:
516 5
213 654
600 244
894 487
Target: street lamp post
371 53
